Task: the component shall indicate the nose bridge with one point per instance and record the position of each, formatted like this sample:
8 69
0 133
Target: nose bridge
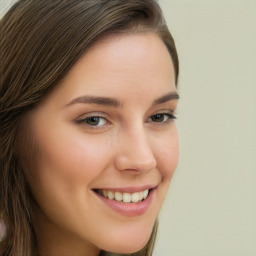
135 151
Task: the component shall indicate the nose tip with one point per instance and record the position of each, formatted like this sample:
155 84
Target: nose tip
139 164
136 156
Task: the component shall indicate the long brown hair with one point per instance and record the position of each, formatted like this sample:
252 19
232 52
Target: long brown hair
40 42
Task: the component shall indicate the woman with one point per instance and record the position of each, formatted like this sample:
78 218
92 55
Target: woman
88 139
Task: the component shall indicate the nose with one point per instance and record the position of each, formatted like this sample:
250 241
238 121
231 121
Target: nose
134 152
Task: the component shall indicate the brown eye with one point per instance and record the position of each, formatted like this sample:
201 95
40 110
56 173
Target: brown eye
93 120
162 117
96 121
158 118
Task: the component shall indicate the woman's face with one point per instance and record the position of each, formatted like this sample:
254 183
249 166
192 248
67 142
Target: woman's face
107 147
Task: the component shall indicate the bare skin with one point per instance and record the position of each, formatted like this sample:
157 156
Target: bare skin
108 126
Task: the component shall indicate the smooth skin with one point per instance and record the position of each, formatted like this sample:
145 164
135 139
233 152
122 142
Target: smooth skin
127 141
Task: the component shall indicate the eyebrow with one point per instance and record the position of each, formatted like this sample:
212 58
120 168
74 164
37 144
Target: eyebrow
112 102
106 101
167 97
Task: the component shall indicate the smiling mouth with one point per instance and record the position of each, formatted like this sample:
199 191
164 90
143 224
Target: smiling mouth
124 197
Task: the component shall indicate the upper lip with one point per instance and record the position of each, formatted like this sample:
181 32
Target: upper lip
128 189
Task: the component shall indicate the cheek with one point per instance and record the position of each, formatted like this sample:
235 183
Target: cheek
67 165
167 159
168 155
65 169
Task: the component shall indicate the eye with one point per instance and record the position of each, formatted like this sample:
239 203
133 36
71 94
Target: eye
95 121
162 117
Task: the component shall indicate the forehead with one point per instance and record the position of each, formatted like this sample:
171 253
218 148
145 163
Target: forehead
144 49
119 65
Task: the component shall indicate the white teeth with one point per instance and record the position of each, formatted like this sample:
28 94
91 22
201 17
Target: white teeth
105 193
125 197
118 196
145 194
110 195
141 195
135 197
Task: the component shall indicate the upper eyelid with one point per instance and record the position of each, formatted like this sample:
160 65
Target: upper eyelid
93 114
164 111
108 117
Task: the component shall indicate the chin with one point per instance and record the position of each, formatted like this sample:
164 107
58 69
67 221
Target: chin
127 243
127 247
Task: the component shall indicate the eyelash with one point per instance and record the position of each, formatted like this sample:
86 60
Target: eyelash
166 115
83 120
164 118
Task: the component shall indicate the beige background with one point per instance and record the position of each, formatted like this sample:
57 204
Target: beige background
211 206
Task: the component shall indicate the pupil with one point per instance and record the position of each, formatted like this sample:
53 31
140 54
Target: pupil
158 118
93 120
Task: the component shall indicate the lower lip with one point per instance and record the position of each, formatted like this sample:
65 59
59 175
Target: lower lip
129 209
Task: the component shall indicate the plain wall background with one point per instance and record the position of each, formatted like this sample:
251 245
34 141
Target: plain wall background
211 206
